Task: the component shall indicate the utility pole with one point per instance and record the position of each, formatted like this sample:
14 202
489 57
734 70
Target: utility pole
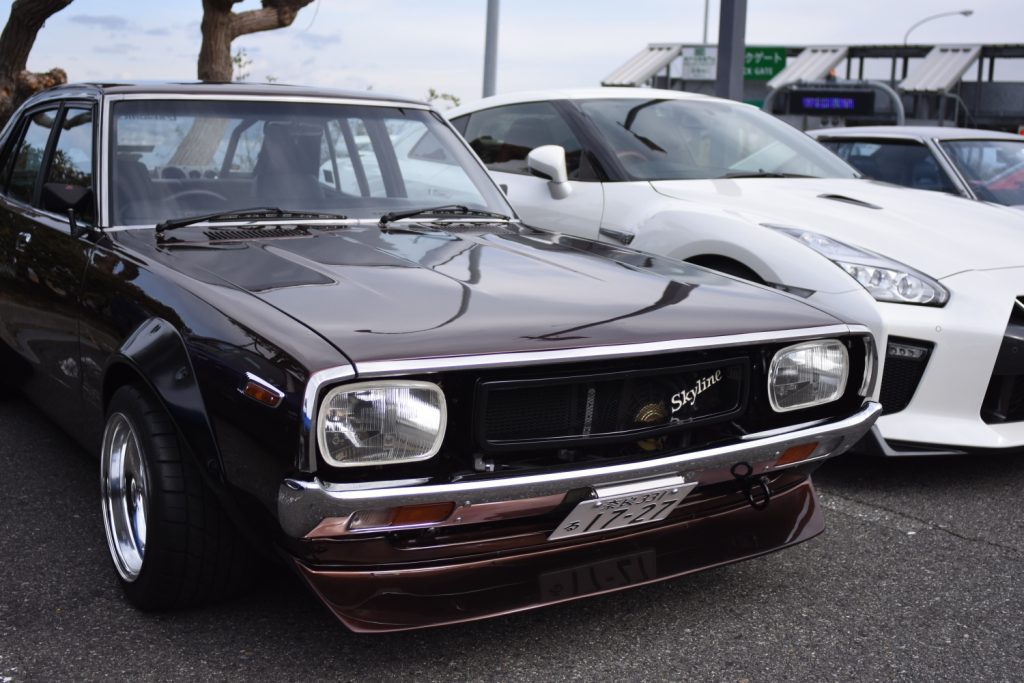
732 27
705 40
491 48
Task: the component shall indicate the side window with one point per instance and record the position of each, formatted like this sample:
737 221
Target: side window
503 136
460 124
29 157
72 156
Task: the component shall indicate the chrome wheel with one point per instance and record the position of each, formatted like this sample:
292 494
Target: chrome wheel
124 496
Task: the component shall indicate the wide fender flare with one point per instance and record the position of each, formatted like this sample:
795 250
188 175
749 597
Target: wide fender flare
156 353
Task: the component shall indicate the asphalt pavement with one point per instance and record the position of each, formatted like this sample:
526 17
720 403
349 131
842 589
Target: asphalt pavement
919 576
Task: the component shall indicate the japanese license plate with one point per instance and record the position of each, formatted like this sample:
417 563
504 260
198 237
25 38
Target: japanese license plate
624 505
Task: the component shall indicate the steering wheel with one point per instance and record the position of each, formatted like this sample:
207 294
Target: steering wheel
197 194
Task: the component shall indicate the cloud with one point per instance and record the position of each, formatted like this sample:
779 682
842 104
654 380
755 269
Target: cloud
116 49
158 32
108 21
317 40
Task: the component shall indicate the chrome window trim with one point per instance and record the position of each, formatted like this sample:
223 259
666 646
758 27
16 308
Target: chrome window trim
320 380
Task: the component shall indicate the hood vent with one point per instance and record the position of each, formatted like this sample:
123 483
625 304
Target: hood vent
227 234
849 200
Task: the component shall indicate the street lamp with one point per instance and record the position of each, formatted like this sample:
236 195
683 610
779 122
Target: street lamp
964 12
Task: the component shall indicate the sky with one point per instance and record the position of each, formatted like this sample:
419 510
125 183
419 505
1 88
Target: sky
409 46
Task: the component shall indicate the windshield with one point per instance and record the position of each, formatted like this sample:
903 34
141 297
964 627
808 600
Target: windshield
179 158
688 139
993 168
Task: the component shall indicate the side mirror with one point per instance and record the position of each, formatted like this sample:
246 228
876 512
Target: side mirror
548 162
59 197
74 201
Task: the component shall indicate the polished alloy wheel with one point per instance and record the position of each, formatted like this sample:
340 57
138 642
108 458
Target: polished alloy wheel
124 496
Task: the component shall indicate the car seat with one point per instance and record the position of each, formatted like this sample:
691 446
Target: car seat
281 176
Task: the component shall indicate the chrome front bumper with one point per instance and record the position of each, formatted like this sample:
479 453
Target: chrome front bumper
316 509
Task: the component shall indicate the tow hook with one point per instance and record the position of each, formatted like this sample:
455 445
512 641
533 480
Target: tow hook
758 499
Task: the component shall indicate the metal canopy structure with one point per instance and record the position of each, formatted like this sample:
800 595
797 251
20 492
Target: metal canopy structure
813 64
644 65
926 79
942 69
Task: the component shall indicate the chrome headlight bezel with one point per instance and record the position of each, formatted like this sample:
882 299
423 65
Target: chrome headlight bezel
879 275
780 357
386 385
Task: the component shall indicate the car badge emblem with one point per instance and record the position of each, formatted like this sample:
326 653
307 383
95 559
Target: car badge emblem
688 397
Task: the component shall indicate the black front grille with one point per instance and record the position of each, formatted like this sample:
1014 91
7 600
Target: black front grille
905 361
604 407
1004 398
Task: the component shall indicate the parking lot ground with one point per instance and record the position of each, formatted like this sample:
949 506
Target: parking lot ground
919 576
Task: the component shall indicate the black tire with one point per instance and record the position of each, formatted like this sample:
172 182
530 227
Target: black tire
190 553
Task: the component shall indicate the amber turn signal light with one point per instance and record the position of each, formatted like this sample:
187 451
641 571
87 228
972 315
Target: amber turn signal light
796 453
261 394
404 516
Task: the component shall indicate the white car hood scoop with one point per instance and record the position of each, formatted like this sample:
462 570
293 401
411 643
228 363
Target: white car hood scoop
934 232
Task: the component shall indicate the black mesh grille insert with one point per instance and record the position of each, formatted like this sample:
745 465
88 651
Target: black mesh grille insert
905 361
609 406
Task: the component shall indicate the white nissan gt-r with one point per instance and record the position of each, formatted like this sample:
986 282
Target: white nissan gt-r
724 185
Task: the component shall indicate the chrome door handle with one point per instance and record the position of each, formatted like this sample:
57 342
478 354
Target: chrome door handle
22 241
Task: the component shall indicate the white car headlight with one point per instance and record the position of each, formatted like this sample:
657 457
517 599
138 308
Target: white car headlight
381 423
884 278
808 374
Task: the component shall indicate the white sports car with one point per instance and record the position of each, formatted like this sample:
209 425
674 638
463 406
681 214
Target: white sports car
981 164
724 185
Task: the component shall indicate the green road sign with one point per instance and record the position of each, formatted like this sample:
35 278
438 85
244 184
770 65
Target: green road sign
763 63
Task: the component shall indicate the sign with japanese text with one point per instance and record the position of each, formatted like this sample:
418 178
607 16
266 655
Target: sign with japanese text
700 63
763 63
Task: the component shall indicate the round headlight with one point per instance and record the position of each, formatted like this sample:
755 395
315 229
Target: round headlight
381 423
808 374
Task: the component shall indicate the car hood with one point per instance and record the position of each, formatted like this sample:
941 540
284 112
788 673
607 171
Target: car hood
936 233
408 294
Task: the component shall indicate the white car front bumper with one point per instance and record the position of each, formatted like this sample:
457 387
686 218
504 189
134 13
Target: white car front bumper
944 413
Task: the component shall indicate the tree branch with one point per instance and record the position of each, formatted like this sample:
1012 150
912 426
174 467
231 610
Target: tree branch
275 14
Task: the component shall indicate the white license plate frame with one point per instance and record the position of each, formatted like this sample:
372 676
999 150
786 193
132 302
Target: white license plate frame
633 504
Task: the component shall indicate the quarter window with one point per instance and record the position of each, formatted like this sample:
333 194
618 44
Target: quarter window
503 136
72 156
29 157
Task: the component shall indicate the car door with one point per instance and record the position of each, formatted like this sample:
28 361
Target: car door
503 136
43 263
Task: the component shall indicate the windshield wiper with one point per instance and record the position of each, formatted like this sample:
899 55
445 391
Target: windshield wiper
763 174
243 214
445 210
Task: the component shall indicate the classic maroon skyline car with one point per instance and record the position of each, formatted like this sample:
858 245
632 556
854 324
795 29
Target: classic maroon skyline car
309 321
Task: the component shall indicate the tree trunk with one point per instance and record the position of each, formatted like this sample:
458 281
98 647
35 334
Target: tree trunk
221 26
215 51
16 84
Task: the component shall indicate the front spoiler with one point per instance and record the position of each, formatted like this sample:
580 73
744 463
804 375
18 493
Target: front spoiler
378 601
308 509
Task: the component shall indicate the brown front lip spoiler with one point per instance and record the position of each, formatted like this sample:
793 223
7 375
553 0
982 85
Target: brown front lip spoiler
386 600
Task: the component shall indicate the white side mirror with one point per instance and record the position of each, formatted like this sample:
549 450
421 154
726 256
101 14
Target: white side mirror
548 162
